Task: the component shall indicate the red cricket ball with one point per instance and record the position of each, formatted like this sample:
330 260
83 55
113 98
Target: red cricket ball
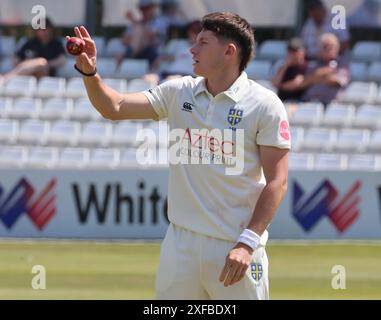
75 46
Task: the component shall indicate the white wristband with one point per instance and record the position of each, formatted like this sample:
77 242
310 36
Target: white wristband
250 238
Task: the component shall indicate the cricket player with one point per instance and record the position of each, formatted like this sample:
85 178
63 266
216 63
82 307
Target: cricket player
215 244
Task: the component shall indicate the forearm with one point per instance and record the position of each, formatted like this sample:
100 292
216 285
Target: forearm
293 85
103 98
267 205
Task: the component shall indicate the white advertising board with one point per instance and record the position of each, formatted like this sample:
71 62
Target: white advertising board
132 204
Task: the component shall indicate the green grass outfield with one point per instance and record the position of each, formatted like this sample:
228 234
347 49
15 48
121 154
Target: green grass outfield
126 270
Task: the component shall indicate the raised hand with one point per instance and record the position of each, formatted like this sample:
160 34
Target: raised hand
87 60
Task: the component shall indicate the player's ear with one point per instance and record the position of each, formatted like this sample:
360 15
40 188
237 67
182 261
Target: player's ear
231 49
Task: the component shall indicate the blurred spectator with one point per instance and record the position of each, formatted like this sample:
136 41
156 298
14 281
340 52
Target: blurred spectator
40 56
143 38
366 15
326 76
179 63
171 16
291 74
319 21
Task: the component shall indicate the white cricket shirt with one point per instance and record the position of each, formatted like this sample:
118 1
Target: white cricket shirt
202 197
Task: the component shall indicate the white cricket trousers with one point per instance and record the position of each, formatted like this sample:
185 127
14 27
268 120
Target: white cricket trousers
191 263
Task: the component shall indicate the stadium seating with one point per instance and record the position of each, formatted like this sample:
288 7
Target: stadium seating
301 161
12 156
375 142
20 86
57 108
42 157
368 117
119 85
6 64
5 106
259 70
308 114
352 140
374 72
75 88
124 134
114 47
359 71
272 50
366 51
132 68
106 67
331 162
25 108
7 45
104 158
359 92
8 131
63 133
49 87
33 132
84 111
319 139
339 115
363 162
95 134
73 158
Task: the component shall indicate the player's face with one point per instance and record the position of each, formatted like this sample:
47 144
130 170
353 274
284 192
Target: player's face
208 54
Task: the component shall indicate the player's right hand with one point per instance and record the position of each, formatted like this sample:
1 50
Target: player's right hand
87 60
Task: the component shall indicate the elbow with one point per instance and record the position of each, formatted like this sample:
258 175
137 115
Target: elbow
112 116
284 187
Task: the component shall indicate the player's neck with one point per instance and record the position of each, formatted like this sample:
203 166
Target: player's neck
221 82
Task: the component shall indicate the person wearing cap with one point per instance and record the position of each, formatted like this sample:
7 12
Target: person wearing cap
291 74
142 38
171 16
40 56
319 21
328 75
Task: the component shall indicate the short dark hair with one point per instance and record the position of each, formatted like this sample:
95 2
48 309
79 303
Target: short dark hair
227 25
315 4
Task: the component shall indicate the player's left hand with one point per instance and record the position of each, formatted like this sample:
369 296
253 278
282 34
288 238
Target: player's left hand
236 264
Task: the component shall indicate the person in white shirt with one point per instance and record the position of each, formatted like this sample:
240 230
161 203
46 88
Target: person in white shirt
215 244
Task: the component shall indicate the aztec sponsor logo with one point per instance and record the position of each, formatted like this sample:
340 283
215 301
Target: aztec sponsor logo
325 201
23 199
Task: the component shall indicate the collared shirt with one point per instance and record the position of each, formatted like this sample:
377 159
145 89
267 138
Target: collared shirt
202 197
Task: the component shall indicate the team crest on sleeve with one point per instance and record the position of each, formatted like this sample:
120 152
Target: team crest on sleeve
235 116
256 271
284 130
